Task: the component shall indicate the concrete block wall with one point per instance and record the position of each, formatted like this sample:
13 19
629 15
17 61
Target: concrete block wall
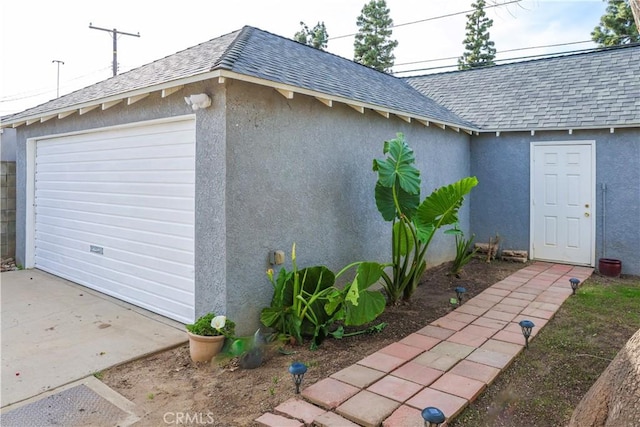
8 209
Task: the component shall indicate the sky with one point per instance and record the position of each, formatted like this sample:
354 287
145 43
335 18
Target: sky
37 32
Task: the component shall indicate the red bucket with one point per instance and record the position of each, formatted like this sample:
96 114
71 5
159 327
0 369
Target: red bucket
610 267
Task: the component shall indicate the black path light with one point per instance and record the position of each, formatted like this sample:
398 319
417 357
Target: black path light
526 326
432 417
297 371
459 293
574 284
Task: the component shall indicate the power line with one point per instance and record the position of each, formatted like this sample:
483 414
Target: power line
542 55
43 91
433 18
502 51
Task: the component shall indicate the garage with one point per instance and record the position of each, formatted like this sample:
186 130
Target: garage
114 211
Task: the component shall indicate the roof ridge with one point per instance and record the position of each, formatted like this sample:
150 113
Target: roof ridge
561 55
324 51
234 50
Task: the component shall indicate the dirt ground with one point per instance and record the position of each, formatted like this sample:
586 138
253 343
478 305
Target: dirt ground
171 389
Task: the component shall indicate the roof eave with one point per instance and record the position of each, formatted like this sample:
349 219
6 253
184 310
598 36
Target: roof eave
131 97
288 91
568 129
285 89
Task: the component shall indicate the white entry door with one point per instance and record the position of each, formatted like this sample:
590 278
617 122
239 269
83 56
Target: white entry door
562 205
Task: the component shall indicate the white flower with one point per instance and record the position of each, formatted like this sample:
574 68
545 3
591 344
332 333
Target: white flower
218 322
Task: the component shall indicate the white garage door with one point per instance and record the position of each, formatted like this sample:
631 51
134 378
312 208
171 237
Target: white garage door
114 211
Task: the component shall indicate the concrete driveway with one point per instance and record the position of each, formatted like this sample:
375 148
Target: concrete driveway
55 332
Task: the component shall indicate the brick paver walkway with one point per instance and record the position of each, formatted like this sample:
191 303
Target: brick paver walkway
446 364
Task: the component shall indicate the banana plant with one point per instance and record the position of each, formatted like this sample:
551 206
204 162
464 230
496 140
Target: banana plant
414 223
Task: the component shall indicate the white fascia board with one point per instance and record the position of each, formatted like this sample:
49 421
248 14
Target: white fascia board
356 105
167 87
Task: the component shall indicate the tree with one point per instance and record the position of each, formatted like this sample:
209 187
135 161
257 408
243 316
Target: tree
479 49
316 37
635 9
616 26
373 46
613 399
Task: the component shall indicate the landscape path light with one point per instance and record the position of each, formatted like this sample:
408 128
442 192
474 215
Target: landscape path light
526 326
297 371
574 284
459 293
432 417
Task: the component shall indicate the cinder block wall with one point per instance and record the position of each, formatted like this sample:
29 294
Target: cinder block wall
8 205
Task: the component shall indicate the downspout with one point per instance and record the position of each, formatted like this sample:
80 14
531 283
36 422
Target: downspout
603 187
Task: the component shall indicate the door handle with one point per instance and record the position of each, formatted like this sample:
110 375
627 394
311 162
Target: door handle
586 214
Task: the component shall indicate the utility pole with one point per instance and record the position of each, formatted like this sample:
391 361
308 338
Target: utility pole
114 35
58 83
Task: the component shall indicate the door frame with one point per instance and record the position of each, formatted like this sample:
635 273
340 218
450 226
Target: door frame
532 147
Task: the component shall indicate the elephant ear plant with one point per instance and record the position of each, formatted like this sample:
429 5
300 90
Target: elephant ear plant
306 302
414 223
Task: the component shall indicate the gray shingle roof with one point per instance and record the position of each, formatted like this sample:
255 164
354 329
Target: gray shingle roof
588 90
190 62
256 53
281 60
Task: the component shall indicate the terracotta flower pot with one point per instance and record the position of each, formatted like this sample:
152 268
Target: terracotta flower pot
202 348
609 267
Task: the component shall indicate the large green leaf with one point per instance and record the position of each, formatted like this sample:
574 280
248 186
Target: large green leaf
402 238
370 306
270 316
384 201
313 281
441 207
368 273
360 305
282 293
398 167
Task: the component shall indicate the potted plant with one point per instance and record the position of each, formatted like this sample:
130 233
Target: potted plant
207 335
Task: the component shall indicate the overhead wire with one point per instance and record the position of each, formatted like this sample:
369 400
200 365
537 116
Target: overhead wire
43 91
433 18
502 51
542 55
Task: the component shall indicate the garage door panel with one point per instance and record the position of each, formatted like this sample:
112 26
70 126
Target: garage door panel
163 165
165 190
147 177
122 223
175 203
161 152
117 139
178 308
119 284
61 226
122 264
114 211
123 256
82 147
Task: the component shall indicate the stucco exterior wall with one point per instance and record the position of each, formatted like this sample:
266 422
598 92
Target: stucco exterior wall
501 202
299 171
270 172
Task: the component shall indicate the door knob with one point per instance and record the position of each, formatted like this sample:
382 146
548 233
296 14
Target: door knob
586 214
